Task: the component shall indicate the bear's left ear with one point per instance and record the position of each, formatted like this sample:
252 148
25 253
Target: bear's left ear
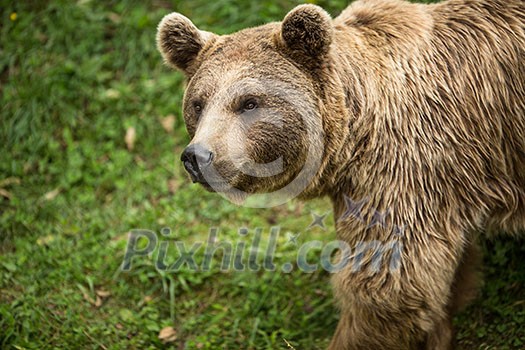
180 41
307 30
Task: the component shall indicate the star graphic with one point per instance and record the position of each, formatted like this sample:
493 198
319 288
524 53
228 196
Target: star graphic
318 220
399 230
292 239
378 218
353 208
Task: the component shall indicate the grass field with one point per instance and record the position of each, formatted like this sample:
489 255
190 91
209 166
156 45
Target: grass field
90 138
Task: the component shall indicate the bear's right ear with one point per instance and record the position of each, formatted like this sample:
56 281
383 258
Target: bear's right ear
307 31
180 41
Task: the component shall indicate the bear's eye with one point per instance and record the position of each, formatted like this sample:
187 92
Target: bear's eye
249 105
197 107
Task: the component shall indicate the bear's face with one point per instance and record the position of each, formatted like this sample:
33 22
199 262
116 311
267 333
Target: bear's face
250 106
243 113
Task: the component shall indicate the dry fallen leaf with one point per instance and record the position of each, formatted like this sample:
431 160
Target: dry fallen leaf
97 302
9 181
112 94
100 295
114 17
168 334
49 196
4 193
130 138
173 185
168 123
45 240
103 293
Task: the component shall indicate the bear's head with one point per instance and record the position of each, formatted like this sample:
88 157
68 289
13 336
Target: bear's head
254 103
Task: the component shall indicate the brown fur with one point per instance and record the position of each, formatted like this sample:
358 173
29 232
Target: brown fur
423 114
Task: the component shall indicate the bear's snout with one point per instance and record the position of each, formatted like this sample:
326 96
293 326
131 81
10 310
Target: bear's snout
196 158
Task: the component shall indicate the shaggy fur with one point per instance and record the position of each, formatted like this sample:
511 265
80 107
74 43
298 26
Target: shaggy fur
423 115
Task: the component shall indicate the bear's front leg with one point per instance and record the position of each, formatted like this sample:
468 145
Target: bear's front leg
464 290
397 298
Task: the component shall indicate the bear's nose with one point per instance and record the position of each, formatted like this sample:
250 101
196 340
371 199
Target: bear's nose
195 159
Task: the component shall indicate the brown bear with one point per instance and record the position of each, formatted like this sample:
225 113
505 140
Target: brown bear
415 111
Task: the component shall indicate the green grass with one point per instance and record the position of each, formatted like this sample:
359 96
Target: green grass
74 77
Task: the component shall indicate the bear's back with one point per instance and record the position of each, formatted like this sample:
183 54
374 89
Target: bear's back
444 85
